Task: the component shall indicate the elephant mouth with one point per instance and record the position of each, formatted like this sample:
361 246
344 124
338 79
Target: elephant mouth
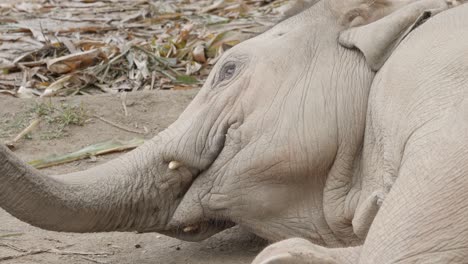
200 230
192 224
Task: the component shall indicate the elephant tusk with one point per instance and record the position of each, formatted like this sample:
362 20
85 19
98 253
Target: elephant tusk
174 165
190 229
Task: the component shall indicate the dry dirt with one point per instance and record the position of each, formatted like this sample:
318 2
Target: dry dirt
153 110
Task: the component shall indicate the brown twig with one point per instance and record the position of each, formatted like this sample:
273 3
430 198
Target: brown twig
123 98
32 126
119 126
25 253
12 247
79 253
28 253
93 260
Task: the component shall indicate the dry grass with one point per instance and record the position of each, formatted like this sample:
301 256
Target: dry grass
72 47
55 120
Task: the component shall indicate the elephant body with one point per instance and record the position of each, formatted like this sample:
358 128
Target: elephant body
419 112
415 156
352 136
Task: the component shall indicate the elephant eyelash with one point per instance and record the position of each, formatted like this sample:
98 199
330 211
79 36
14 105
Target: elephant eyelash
228 71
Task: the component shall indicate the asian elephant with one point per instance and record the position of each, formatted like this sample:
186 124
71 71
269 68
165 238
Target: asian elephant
345 125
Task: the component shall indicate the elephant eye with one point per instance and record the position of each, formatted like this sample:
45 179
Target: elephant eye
227 72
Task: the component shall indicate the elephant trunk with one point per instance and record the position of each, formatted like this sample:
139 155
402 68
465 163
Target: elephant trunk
136 192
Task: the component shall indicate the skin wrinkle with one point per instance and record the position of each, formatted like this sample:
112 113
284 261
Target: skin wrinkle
21 174
133 195
420 103
270 106
335 86
219 119
340 170
305 93
434 230
256 143
200 140
137 189
413 139
295 131
428 131
201 195
203 132
425 255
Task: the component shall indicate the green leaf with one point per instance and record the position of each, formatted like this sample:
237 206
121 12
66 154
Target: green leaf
213 19
11 235
166 61
171 62
227 37
185 79
87 152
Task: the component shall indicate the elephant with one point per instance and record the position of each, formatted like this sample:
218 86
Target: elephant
341 129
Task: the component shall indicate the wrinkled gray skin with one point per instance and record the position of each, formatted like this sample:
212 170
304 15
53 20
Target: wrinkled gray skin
294 135
414 156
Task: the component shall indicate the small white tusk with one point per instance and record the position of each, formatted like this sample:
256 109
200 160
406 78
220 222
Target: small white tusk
174 165
190 229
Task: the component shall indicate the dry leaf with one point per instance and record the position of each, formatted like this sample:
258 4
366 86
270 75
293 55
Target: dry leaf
199 54
75 61
50 48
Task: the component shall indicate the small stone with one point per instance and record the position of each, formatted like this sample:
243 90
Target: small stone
137 246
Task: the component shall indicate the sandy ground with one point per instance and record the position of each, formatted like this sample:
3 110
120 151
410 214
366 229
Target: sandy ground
153 110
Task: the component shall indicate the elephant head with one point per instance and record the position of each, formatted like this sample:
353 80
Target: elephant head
269 143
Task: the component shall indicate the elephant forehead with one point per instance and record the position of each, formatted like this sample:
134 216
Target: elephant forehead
294 39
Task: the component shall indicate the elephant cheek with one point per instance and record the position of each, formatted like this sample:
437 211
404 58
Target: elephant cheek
217 202
252 203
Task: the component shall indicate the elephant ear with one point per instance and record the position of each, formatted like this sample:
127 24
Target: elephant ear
379 39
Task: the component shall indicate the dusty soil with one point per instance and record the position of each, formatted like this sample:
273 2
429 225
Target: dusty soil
153 110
